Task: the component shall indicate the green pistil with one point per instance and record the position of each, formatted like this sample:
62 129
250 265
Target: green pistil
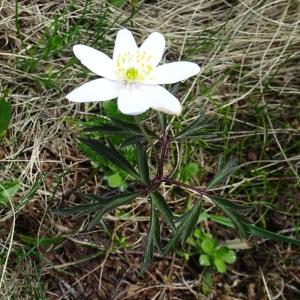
132 74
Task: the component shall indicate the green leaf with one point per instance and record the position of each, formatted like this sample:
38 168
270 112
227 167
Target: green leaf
200 122
113 202
208 246
112 155
189 171
5 115
162 120
257 231
207 282
239 222
223 172
142 163
77 209
135 129
204 260
221 220
220 265
226 254
42 241
153 237
115 180
187 224
162 205
8 190
156 228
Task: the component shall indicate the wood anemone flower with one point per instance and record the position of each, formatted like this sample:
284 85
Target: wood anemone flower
132 75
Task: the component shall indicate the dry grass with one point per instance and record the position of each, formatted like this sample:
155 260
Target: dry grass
250 53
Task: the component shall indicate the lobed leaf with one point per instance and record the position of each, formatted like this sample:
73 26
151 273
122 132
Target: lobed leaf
153 238
187 223
223 172
112 202
142 162
112 155
161 204
190 130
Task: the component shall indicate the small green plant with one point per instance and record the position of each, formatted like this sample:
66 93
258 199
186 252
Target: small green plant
210 253
7 190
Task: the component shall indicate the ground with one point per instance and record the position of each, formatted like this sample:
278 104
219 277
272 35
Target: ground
249 87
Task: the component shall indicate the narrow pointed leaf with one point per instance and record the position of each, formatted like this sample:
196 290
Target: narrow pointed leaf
223 172
156 228
162 205
237 220
192 222
82 209
113 202
111 154
132 141
153 238
133 127
142 163
258 231
185 228
148 256
200 122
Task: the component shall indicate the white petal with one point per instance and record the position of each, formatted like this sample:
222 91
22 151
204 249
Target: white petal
155 46
124 43
173 72
96 90
95 60
132 100
162 100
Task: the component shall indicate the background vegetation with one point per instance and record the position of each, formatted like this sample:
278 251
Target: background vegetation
249 87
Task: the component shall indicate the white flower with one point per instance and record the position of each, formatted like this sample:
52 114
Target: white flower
132 75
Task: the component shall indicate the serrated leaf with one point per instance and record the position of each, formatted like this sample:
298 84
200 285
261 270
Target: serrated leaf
132 141
223 172
153 237
156 228
258 231
7 190
113 202
112 155
239 222
142 163
133 127
185 228
162 205
148 256
77 209
200 122
5 115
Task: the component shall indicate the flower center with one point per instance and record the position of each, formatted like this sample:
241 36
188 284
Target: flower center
132 74
133 67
